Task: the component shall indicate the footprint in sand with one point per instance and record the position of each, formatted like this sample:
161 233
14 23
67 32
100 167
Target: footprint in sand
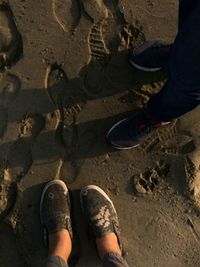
156 139
56 82
174 141
93 80
131 37
18 161
79 146
147 181
67 13
17 164
150 144
8 197
97 46
10 38
95 9
181 144
66 98
142 94
192 172
9 89
31 126
93 77
63 98
51 120
69 169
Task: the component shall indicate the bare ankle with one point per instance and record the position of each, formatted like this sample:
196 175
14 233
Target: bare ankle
60 244
108 243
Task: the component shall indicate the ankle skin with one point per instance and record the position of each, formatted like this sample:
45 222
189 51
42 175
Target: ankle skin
108 243
60 244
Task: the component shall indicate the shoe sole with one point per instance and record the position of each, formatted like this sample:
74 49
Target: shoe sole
98 189
143 68
61 183
116 146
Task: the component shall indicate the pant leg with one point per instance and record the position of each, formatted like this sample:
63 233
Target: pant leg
181 93
114 260
185 8
55 261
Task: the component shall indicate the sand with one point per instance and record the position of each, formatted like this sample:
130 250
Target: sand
64 81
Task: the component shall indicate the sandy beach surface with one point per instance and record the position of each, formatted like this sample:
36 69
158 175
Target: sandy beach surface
65 79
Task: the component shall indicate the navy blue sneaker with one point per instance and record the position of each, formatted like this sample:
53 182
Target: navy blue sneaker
131 132
151 56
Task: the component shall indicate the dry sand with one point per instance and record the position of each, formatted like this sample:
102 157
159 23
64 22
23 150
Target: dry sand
53 121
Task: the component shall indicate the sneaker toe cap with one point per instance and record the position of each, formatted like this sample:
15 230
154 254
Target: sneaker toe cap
119 136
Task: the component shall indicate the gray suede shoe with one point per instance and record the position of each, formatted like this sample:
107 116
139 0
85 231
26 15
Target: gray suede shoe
100 212
55 208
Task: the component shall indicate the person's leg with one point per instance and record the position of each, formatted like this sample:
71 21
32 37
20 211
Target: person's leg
59 249
55 261
110 252
56 222
185 9
114 260
181 93
104 225
154 55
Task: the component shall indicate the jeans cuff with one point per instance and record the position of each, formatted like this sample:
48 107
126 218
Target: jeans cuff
55 261
112 256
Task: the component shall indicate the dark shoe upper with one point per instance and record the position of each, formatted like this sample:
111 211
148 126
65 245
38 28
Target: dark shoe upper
100 212
151 56
55 207
130 132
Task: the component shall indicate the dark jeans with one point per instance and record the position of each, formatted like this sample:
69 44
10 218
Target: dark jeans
181 93
110 260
